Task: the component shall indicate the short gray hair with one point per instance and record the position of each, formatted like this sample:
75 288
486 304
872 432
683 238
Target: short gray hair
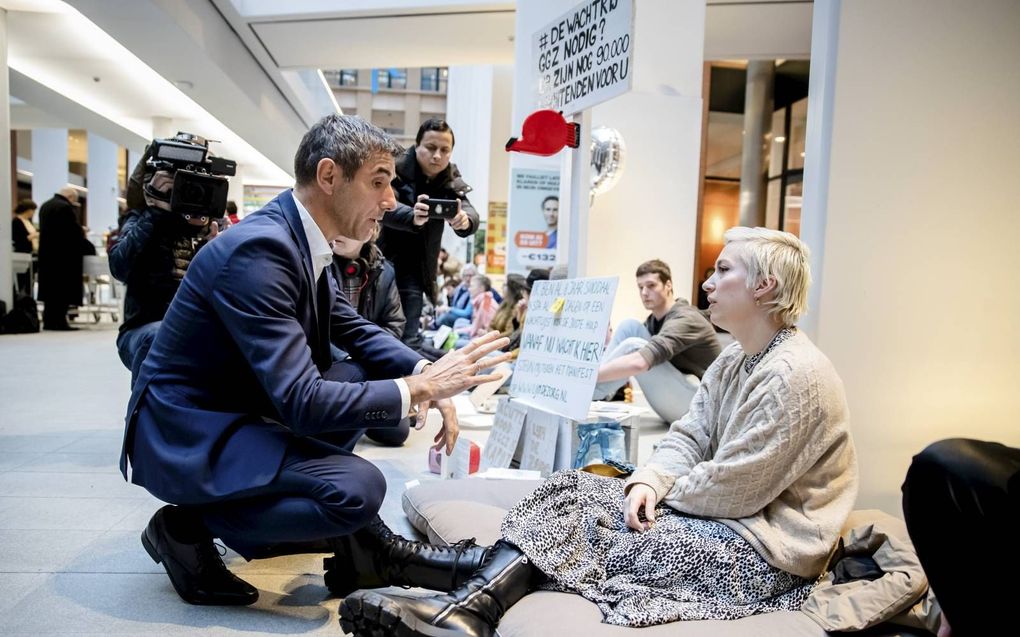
349 141
782 256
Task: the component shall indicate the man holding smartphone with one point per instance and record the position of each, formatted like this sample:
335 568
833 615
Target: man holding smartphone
430 194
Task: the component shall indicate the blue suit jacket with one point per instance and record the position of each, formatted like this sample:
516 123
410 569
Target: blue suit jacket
234 374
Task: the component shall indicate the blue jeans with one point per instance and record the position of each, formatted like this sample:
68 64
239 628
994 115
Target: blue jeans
668 390
133 345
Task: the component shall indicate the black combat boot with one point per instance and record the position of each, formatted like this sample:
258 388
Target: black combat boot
473 610
375 556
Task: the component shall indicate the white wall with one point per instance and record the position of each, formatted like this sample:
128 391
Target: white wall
921 299
652 212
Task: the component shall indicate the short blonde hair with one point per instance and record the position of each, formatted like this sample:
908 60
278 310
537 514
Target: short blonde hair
782 256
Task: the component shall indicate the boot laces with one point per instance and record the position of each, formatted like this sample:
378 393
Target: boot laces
399 544
210 560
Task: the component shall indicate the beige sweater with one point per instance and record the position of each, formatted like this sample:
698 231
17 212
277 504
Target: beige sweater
769 455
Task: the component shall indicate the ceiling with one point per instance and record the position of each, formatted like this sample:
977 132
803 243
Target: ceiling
245 71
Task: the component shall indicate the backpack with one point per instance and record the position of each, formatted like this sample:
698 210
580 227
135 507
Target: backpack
23 318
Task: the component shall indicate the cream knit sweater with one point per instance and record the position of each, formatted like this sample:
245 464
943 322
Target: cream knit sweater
767 454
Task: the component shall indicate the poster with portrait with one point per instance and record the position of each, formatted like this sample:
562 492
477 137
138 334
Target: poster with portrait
495 238
533 219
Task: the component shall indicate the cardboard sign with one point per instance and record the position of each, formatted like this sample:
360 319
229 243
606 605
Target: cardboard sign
562 345
585 56
506 433
542 430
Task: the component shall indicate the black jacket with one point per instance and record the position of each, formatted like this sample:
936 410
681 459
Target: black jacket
152 253
379 300
413 250
19 236
60 252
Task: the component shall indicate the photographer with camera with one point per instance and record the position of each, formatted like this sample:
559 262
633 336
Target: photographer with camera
430 194
175 193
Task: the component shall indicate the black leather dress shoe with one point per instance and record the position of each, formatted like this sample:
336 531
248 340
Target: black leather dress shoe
195 570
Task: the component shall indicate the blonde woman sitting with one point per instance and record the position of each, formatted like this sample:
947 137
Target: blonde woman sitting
733 515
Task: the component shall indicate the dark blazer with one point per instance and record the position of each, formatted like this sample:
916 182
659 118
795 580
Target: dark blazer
234 374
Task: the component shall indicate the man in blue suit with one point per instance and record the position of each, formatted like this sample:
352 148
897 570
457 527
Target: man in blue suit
266 461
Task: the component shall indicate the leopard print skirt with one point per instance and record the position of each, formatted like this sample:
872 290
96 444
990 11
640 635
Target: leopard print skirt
683 568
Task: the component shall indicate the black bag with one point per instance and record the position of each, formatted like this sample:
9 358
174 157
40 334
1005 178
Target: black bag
23 319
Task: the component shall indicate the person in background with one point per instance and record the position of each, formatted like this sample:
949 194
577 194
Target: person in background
668 353
24 234
460 301
61 248
514 291
483 308
736 511
232 213
410 239
368 282
153 250
24 239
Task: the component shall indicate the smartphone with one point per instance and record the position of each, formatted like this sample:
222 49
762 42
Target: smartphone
442 208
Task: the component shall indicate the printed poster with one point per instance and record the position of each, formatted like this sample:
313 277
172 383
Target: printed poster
533 220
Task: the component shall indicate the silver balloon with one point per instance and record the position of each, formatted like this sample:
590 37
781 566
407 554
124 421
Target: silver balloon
607 159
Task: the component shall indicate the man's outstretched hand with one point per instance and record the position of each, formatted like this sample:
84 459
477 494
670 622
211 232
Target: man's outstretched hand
450 375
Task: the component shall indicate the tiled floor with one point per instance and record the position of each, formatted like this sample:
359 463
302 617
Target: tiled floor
70 559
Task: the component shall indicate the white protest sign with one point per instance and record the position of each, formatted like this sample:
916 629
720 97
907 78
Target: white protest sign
506 432
542 430
564 335
585 56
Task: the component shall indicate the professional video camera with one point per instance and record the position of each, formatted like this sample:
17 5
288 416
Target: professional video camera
200 184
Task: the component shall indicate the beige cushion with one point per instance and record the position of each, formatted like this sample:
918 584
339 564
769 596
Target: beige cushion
451 510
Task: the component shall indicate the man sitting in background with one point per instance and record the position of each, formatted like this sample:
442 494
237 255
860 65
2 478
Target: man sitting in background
667 354
460 304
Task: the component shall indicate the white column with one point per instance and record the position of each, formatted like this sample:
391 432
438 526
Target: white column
132 160
6 272
653 210
469 113
49 162
164 127
101 179
821 101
